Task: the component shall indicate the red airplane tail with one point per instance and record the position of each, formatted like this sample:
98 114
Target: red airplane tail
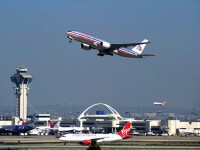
51 124
22 121
125 132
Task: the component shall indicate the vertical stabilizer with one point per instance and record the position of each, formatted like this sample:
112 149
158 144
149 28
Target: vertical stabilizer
57 125
51 124
21 121
32 121
139 48
125 132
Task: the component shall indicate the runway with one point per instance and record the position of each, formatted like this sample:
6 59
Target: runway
137 142
111 147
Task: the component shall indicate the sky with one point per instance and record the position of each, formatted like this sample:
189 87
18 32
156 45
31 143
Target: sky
32 34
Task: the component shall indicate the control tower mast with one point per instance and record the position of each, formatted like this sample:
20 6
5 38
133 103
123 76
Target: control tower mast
21 80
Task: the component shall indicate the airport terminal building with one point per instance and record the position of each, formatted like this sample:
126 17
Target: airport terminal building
113 122
99 122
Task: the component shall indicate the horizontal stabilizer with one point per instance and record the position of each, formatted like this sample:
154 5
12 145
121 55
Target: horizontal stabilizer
116 46
145 55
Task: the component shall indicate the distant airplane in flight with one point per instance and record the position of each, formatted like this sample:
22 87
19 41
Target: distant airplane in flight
105 48
87 138
160 103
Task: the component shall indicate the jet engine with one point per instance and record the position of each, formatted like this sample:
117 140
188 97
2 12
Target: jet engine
85 46
86 142
105 45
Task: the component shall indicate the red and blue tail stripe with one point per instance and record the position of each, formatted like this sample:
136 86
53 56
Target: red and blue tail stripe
127 51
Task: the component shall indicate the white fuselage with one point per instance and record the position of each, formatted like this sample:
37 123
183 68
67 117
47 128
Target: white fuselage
87 39
62 129
94 42
82 137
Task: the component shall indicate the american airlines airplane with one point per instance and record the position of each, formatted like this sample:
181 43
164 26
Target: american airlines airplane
87 138
105 48
65 129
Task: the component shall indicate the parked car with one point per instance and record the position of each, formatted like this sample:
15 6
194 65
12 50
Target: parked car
135 133
164 134
150 134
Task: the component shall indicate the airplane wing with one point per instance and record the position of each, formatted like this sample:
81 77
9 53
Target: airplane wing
98 138
116 46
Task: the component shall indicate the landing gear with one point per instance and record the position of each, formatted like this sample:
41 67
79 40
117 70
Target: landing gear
70 39
110 54
100 54
104 53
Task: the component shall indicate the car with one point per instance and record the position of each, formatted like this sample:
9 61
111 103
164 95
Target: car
164 134
150 134
135 133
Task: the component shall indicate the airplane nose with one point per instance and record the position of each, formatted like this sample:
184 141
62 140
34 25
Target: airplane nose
68 32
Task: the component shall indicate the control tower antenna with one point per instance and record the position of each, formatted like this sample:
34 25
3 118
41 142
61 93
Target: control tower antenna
21 80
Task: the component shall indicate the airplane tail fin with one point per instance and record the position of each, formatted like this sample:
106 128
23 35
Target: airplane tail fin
139 48
21 121
32 122
57 125
51 124
125 132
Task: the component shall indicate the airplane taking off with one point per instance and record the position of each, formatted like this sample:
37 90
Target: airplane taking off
87 138
160 103
105 48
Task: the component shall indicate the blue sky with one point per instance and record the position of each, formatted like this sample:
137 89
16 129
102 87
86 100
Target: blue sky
33 35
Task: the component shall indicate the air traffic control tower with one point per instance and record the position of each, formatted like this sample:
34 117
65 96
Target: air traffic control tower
21 80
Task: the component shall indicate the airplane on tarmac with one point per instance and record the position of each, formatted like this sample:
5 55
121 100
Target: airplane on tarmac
40 129
50 125
160 103
105 48
87 138
66 129
17 129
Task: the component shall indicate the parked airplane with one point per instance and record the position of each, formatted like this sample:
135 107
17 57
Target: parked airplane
87 138
106 48
17 129
50 125
66 129
43 129
160 103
